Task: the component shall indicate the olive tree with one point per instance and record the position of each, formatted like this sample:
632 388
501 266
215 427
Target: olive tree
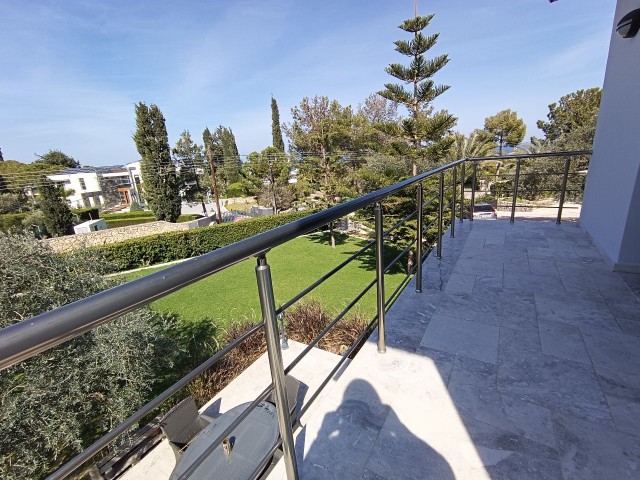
56 403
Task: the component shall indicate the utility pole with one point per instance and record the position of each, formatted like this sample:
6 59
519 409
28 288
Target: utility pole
215 185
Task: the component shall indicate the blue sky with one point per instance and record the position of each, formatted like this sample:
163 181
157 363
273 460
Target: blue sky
72 70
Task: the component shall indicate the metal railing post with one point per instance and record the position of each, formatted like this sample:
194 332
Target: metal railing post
268 307
419 239
462 191
440 213
382 348
515 192
567 165
473 189
453 202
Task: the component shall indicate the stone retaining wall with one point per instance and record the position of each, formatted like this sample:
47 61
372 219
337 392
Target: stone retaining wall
111 235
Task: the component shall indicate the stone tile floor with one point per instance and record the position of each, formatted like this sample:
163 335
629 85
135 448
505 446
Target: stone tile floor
520 359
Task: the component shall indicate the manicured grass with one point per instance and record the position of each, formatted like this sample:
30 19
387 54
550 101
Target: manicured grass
232 294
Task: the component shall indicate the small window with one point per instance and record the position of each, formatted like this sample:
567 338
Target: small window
83 186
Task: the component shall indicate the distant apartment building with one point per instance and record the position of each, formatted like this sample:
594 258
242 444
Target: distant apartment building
100 186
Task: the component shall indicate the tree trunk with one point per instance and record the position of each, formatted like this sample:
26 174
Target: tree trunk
332 235
215 188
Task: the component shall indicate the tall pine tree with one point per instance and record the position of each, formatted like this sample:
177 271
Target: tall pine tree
190 163
160 182
276 131
427 131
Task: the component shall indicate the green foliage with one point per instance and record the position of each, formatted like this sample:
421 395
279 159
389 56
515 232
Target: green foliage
506 128
132 214
57 403
191 165
15 176
269 171
126 222
12 221
115 222
85 214
479 144
426 130
231 159
276 131
57 216
572 121
56 158
158 172
135 207
34 223
236 190
11 203
167 247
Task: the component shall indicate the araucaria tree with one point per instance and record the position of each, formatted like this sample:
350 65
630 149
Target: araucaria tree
160 183
506 128
57 216
276 131
425 130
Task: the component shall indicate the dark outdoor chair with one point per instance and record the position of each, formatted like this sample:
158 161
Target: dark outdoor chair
292 385
182 423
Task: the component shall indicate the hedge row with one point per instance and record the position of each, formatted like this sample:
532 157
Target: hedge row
125 222
134 214
11 221
166 247
86 214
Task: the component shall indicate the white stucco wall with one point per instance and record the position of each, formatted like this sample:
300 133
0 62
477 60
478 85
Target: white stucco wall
611 207
72 181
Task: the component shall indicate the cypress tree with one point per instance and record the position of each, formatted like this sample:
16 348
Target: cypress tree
424 128
57 216
160 182
276 131
230 154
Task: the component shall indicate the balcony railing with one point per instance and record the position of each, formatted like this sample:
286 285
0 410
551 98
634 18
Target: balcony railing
445 199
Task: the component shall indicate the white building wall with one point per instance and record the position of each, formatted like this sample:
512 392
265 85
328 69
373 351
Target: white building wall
611 207
72 181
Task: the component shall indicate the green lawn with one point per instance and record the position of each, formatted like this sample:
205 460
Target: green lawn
232 294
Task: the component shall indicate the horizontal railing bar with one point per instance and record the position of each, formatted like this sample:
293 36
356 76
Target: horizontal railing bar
25 339
324 331
400 223
105 440
324 277
227 431
259 469
400 255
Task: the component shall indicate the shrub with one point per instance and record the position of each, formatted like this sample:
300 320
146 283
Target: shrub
304 323
135 207
166 247
235 190
12 221
57 403
134 214
125 222
86 214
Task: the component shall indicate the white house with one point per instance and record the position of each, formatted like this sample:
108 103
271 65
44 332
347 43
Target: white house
84 185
